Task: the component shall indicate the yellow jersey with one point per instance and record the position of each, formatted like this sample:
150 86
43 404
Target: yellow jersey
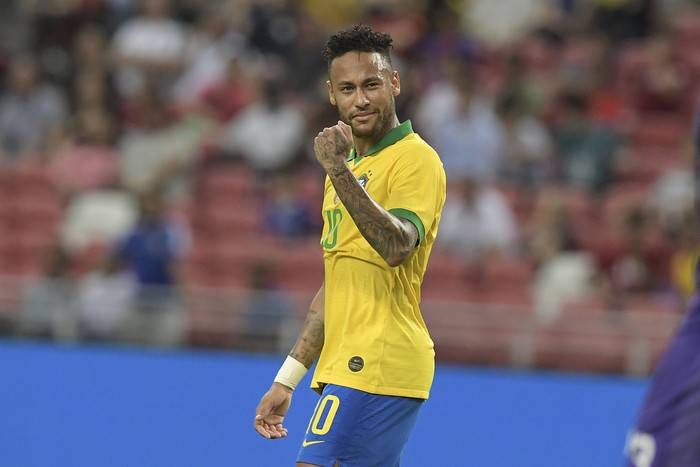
375 337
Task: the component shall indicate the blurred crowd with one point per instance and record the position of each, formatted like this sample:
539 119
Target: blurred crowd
564 128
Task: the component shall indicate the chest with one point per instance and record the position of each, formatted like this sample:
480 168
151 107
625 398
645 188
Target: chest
374 174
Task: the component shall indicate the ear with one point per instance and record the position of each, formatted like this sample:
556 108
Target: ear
331 94
395 83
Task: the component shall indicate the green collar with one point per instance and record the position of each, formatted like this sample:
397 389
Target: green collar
394 135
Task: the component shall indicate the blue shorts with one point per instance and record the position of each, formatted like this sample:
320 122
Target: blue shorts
358 429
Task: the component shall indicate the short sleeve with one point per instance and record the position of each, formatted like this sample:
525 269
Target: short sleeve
417 187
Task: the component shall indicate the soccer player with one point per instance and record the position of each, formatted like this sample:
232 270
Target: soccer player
667 432
384 192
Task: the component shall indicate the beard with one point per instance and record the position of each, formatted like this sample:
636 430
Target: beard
382 124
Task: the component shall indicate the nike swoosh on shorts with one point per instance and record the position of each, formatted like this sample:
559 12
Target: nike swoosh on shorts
309 443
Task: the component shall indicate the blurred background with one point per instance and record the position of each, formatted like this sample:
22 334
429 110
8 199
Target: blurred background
158 187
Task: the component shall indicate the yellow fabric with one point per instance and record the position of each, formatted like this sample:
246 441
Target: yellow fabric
371 309
683 271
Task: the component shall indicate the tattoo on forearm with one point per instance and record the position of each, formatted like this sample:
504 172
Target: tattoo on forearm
386 234
310 342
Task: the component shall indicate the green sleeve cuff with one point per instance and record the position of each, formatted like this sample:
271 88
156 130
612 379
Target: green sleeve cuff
413 218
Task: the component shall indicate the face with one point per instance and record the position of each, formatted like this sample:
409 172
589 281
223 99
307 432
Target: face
23 75
363 87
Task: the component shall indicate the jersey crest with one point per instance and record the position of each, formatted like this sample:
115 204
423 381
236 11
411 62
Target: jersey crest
363 179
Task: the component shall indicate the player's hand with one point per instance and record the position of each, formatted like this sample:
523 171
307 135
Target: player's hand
271 411
332 145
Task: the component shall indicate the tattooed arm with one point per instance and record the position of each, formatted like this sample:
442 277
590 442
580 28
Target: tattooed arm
394 238
269 415
310 341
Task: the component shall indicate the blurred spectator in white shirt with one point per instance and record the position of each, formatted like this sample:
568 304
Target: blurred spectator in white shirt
97 216
104 299
461 124
268 134
209 47
477 221
148 46
504 21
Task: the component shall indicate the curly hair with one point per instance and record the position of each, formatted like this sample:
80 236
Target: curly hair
359 38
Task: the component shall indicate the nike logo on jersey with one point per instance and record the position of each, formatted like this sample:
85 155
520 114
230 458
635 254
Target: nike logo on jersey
309 443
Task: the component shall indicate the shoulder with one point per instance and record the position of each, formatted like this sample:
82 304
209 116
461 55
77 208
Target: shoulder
415 146
416 152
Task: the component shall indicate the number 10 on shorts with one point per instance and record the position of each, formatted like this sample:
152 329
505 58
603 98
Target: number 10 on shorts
315 424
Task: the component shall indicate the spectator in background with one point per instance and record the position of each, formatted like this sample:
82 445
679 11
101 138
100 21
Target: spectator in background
527 146
444 40
148 47
208 50
92 81
672 195
237 88
153 251
592 68
588 155
160 148
502 22
90 49
84 155
564 273
87 158
666 82
104 299
92 91
46 305
532 90
97 216
462 126
30 110
550 228
477 223
92 124
249 136
638 261
287 214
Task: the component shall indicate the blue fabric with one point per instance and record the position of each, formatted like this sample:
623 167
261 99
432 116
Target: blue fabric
670 414
358 429
150 250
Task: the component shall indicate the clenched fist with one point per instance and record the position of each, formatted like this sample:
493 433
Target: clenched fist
332 145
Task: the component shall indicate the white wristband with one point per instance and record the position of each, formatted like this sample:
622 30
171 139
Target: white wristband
291 372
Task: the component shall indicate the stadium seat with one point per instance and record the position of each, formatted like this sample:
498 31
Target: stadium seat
582 352
232 183
660 129
213 317
298 266
227 219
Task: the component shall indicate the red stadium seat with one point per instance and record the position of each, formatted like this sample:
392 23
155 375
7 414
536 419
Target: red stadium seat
230 183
